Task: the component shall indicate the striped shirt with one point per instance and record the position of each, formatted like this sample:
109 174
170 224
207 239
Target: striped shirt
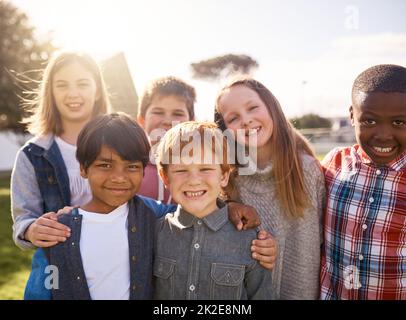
364 253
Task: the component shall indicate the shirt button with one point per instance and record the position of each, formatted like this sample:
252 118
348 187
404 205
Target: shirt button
361 257
192 288
364 227
77 278
197 246
134 287
371 200
133 229
73 244
378 172
199 222
133 258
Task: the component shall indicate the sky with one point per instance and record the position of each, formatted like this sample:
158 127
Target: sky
309 51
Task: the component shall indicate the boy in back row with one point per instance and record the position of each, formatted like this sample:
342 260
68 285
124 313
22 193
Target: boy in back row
164 101
364 254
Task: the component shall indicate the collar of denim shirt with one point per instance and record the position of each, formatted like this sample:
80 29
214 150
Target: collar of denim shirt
214 221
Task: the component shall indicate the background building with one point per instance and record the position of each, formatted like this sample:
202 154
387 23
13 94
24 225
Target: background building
120 86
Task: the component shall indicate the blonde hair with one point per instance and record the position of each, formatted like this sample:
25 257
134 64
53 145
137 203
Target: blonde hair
176 139
45 117
287 147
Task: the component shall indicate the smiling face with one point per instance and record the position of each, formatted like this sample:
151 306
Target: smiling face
74 92
242 108
195 187
379 119
163 111
113 181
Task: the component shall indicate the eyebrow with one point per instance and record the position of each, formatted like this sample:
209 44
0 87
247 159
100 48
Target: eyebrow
111 160
371 113
250 101
163 109
83 79
104 159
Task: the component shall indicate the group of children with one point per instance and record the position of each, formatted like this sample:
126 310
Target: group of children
346 217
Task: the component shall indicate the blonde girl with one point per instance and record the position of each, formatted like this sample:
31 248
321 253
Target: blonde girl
287 188
46 175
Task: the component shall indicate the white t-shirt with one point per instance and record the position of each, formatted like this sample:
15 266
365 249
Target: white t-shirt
105 253
80 192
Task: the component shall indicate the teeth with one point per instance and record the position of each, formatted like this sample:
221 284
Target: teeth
194 194
74 105
384 150
253 131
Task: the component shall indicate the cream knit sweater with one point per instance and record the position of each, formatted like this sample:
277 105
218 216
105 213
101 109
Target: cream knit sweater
296 274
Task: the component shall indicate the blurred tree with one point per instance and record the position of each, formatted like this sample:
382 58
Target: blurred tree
22 56
310 121
223 66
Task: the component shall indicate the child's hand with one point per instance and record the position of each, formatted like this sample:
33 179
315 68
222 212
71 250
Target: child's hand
265 250
46 231
65 210
243 217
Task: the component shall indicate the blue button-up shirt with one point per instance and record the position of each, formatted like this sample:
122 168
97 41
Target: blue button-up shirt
206 259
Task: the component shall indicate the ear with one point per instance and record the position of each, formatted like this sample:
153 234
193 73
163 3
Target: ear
351 110
164 177
83 172
224 179
141 121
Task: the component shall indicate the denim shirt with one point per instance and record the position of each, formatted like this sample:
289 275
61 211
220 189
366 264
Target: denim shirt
206 259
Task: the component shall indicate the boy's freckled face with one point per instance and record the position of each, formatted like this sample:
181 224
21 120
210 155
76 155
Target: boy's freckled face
113 181
195 187
379 119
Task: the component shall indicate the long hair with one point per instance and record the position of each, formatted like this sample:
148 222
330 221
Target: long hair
45 117
287 147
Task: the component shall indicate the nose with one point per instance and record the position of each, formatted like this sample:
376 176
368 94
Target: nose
166 123
118 175
246 121
194 178
384 133
73 91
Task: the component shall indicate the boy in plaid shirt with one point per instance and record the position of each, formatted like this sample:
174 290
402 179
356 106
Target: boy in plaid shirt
364 253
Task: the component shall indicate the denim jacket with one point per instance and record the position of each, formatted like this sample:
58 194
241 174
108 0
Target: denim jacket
39 184
67 258
206 259
35 288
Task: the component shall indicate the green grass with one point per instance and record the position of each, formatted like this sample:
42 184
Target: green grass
15 264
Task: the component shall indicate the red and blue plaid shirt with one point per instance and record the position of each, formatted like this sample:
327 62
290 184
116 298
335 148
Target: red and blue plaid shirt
364 252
